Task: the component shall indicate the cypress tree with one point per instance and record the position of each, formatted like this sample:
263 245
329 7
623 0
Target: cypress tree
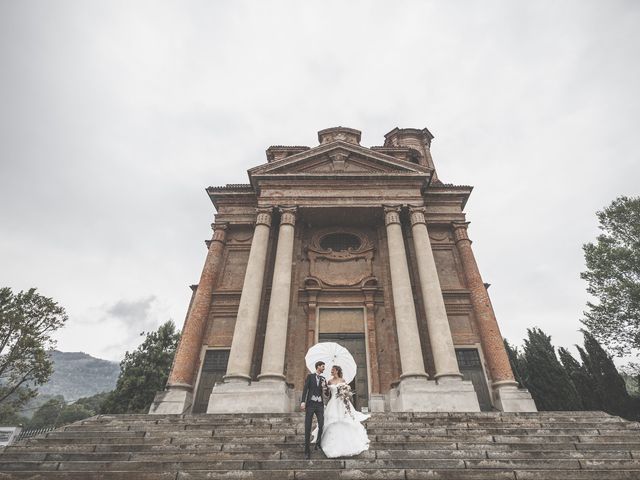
607 381
515 359
582 380
547 381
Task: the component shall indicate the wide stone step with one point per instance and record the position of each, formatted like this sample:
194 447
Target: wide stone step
84 441
386 435
142 438
175 456
493 431
289 417
272 418
295 453
182 456
387 474
570 475
324 464
251 444
381 442
123 475
214 420
94 432
162 427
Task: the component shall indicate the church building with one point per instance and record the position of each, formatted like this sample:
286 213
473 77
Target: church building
363 246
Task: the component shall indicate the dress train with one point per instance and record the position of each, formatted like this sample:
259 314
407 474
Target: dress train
343 434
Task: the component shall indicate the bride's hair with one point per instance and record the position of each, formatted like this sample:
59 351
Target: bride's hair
338 370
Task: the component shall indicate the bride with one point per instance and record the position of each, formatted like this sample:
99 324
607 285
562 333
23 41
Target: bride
343 434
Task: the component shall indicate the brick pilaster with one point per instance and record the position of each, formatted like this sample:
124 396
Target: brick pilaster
490 336
187 355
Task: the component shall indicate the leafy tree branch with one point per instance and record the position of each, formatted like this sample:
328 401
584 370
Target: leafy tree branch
27 320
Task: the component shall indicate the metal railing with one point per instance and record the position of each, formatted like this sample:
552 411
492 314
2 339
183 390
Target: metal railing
32 432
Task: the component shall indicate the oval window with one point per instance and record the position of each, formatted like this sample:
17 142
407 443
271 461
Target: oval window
339 242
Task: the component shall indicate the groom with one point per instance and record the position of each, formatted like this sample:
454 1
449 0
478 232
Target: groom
312 403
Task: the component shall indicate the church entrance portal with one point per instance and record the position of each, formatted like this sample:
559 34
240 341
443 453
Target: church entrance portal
471 369
346 326
354 342
213 369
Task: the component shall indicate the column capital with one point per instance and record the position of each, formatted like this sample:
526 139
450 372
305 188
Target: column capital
219 232
417 214
264 215
288 215
392 214
460 231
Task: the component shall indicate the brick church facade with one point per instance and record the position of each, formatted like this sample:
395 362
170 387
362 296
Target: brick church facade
338 242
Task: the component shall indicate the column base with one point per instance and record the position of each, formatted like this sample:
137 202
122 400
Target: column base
509 398
267 396
173 400
376 403
450 394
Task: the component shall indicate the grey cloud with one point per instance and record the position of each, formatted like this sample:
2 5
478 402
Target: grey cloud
108 330
135 314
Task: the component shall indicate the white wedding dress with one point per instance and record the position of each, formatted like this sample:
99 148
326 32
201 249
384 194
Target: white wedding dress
343 434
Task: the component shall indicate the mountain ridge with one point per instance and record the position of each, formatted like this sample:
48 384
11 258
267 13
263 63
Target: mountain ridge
78 374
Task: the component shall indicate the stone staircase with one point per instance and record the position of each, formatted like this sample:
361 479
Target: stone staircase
452 446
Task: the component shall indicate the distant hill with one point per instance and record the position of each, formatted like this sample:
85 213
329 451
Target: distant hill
77 374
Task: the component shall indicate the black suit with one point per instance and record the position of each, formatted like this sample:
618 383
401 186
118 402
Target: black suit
313 388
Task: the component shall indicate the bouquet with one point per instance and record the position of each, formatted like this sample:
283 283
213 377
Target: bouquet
345 394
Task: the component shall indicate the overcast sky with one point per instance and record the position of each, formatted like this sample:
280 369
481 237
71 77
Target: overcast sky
115 116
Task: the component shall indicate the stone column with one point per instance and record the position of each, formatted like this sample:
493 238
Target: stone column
507 396
271 394
444 355
415 393
244 333
411 360
180 385
275 341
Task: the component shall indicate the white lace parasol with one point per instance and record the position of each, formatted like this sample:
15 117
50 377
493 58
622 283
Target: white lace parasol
331 354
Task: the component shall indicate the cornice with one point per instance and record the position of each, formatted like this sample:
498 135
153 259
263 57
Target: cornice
278 152
230 187
234 191
463 192
327 147
450 186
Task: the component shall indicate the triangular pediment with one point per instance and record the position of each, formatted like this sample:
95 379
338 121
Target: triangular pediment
338 158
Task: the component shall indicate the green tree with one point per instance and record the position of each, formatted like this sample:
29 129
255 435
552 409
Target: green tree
73 413
56 412
144 372
11 416
27 320
47 414
582 380
613 277
607 382
547 381
516 361
94 402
